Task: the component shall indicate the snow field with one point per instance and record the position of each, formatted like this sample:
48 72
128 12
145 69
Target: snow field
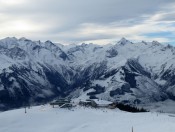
79 119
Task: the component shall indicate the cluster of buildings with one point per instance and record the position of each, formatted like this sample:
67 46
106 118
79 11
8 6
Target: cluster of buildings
66 103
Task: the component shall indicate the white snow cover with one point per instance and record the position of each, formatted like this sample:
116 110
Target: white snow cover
48 119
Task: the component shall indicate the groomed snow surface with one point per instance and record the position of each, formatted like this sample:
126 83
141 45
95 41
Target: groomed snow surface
79 119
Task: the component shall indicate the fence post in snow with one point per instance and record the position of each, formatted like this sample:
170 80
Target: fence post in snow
25 110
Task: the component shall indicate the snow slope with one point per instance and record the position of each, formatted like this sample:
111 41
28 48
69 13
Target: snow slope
47 119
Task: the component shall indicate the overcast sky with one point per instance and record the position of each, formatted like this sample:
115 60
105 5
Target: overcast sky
98 21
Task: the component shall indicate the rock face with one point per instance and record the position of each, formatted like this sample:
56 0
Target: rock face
35 72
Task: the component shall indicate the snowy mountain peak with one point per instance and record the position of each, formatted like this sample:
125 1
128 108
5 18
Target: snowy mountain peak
48 41
169 46
124 41
156 43
144 42
84 44
24 39
9 39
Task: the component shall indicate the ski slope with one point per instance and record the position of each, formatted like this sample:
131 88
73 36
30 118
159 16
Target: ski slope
48 119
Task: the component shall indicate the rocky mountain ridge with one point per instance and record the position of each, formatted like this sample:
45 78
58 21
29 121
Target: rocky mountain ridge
35 71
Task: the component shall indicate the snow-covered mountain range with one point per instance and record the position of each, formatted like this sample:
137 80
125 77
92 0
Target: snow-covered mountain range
34 71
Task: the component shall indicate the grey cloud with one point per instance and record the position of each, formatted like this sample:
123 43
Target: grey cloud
168 17
62 16
90 10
